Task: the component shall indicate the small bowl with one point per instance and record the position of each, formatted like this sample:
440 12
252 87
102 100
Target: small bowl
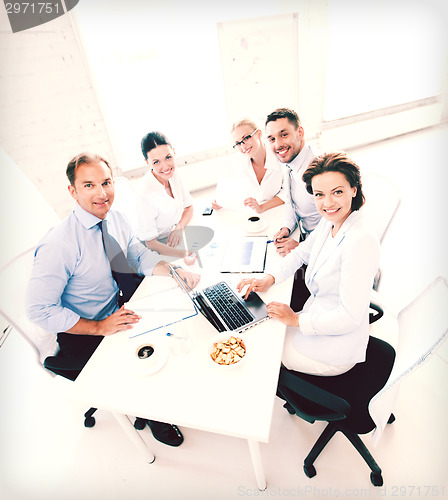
230 350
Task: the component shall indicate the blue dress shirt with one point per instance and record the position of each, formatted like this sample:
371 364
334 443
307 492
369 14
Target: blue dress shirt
71 277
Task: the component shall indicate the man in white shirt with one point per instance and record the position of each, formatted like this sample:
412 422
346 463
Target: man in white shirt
285 135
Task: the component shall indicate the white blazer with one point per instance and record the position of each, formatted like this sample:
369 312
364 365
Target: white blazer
334 322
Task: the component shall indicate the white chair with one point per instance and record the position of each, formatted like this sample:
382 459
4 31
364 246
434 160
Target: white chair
125 200
14 278
422 327
31 216
382 202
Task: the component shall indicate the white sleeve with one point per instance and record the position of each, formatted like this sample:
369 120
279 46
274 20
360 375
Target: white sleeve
146 227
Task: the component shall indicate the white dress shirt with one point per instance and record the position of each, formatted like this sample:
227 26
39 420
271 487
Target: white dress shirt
334 322
157 212
300 203
272 183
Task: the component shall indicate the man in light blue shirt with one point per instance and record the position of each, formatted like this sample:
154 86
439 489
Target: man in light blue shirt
72 291
286 137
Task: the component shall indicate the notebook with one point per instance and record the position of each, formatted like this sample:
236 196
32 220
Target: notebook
223 308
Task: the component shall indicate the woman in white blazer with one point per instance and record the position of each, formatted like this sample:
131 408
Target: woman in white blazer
329 336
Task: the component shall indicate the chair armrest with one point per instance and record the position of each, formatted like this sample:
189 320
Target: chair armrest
375 316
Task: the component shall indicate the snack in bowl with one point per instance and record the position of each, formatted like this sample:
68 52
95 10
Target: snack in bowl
228 351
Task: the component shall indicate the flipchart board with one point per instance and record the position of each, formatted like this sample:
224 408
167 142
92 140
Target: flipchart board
260 65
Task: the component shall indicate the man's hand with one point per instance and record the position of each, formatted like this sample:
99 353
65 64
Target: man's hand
192 279
119 320
283 233
255 284
215 206
285 245
283 313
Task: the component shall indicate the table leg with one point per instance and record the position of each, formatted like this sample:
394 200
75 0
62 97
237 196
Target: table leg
254 448
134 435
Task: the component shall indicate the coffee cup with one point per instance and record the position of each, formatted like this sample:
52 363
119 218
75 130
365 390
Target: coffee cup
254 224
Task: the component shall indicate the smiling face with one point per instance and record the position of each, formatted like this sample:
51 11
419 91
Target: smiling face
93 188
333 197
251 145
285 140
161 160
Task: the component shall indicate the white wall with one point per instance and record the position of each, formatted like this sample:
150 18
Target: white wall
48 107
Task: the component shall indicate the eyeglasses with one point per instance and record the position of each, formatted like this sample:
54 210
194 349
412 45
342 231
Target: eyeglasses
244 139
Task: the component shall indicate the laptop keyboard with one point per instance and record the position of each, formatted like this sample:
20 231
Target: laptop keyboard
233 313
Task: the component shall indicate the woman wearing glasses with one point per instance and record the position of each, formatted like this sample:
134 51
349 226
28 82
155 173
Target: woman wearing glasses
164 206
259 166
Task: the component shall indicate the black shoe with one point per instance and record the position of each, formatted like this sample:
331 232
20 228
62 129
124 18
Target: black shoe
166 433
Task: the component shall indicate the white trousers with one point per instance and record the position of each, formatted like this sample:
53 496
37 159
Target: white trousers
295 360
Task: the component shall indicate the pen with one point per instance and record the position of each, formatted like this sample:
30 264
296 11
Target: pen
271 241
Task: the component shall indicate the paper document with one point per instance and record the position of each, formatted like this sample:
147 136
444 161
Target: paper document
160 309
245 255
232 191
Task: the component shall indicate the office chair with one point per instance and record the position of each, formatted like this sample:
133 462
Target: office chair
422 328
382 202
341 400
14 277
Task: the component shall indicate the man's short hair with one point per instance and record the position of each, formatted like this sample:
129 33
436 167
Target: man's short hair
83 159
287 113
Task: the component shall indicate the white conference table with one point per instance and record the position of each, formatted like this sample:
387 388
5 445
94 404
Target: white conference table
190 390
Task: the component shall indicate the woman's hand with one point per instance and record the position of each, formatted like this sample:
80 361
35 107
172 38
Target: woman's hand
253 204
215 206
175 237
283 313
190 258
255 284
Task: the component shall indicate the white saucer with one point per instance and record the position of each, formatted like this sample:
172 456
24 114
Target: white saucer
155 362
259 229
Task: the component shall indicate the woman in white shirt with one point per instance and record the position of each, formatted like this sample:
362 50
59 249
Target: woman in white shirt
329 336
259 166
164 206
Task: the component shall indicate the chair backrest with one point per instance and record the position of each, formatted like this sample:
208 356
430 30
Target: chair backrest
382 201
125 200
22 228
423 326
14 279
31 216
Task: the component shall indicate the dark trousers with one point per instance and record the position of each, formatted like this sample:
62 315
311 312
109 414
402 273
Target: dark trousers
75 351
300 292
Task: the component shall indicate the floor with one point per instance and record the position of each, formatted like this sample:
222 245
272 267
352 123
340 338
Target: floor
47 453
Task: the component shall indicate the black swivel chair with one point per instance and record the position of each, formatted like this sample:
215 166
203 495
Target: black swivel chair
341 400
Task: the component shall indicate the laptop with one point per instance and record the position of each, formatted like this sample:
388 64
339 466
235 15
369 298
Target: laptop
223 308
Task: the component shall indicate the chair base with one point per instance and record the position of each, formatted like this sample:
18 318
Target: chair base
329 431
89 420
